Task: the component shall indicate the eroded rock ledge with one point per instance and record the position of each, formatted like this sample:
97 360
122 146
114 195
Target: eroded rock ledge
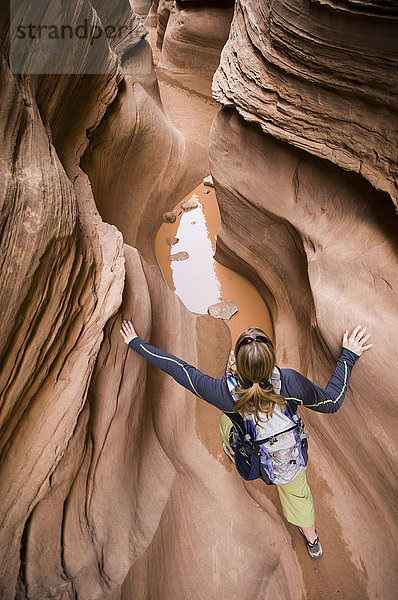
321 76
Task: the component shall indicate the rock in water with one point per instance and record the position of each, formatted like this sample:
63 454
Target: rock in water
169 217
171 240
208 181
206 192
223 310
177 212
179 256
190 204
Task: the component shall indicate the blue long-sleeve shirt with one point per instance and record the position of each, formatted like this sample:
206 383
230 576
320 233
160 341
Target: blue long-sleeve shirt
296 388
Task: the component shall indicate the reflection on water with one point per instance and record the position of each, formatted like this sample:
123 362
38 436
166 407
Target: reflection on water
195 280
200 281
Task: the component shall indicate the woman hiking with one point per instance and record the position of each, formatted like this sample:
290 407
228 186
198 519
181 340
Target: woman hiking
267 397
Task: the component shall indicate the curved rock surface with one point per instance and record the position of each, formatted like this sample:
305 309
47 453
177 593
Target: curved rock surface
108 468
321 75
191 36
122 465
184 502
62 273
62 278
141 8
135 133
320 243
163 8
194 37
301 83
92 482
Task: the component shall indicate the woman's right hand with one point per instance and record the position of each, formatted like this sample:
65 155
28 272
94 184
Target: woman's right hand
356 340
127 331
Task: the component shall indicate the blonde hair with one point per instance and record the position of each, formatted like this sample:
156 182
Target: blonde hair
255 361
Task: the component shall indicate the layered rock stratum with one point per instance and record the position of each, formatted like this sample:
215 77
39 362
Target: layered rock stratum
113 484
304 160
62 279
191 36
321 76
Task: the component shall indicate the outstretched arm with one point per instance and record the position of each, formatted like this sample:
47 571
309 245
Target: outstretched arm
330 398
214 391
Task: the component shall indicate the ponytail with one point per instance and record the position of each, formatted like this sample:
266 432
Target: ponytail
256 400
255 361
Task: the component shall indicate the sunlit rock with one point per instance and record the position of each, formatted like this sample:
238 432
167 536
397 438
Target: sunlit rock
223 310
136 160
191 36
169 217
178 256
208 181
190 204
172 240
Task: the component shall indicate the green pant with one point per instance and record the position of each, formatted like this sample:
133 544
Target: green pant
295 496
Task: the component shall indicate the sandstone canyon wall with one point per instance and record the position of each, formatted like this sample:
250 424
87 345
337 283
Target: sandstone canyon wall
62 279
112 477
113 483
191 36
304 159
321 76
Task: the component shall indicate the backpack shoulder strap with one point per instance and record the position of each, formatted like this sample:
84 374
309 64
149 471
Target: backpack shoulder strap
235 417
237 420
276 379
232 383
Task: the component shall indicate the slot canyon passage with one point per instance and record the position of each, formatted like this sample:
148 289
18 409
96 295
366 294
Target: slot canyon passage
113 482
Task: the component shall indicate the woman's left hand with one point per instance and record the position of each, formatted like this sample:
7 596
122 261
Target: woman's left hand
128 332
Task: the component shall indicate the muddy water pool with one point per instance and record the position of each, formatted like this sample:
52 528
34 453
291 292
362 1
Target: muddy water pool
200 281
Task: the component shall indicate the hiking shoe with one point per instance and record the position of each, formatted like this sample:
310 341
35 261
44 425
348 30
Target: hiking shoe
314 548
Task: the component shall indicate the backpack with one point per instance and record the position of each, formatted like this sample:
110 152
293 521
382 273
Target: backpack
252 458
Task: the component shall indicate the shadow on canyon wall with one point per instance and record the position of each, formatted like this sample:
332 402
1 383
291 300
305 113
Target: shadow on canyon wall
113 482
